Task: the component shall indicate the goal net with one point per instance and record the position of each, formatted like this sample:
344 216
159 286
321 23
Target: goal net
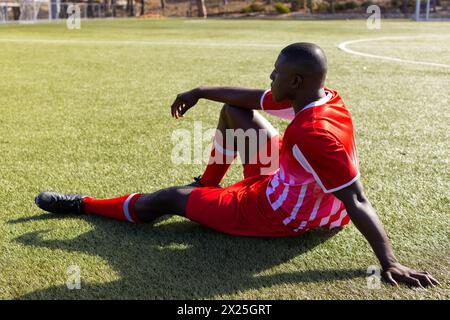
32 10
429 10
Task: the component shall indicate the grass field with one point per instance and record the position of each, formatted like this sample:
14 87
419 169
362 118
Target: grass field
87 111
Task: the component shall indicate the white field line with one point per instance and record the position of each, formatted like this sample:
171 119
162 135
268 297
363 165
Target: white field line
343 47
144 43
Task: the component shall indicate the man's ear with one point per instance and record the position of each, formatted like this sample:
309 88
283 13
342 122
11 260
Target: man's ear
297 81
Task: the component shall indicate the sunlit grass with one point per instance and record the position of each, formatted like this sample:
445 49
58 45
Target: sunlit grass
93 117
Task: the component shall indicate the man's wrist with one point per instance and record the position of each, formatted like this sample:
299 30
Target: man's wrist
389 263
199 91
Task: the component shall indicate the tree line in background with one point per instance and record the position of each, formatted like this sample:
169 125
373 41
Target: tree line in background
279 6
405 7
201 8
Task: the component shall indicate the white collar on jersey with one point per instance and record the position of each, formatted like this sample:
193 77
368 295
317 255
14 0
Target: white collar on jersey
321 101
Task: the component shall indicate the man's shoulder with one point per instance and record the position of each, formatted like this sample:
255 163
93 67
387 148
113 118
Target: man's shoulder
321 133
331 120
310 135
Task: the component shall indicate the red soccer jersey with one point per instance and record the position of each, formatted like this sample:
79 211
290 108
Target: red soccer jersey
318 156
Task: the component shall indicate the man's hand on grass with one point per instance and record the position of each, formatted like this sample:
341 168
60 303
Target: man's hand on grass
183 102
398 273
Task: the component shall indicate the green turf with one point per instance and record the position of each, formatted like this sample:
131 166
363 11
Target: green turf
93 117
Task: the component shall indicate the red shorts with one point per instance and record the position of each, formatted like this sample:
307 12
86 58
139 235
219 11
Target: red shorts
240 209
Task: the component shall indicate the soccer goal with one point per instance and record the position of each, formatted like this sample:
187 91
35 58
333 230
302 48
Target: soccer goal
9 10
24 11
32 10
432 10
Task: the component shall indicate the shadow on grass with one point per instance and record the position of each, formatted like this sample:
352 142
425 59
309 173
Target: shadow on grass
178 260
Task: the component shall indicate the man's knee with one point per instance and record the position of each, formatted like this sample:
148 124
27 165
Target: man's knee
166 201
174 199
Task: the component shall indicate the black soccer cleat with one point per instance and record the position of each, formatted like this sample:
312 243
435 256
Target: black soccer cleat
61 203
196 183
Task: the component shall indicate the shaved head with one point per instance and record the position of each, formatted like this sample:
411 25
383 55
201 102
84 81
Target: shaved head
299 72
307 58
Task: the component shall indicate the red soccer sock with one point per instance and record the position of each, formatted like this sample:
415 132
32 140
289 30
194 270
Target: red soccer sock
218 164
121 208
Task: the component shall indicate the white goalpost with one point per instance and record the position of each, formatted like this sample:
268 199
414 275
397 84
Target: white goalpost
432 10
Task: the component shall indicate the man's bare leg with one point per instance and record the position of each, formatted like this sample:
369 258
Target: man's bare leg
235 118
172 200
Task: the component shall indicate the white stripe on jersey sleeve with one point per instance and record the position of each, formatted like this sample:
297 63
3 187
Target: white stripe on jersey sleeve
298 155
287 113
261 101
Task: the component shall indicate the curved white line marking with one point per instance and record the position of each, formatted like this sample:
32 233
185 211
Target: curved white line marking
343 47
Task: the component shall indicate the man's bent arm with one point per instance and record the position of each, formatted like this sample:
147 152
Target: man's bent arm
240 97
366 220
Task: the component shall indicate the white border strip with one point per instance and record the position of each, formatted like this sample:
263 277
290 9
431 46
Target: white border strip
343 47
125 207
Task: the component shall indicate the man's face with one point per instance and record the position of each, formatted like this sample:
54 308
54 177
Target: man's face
282 77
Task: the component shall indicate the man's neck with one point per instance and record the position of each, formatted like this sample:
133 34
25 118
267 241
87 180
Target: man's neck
301 102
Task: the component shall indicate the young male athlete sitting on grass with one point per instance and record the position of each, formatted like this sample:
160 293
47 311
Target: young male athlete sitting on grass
314 184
